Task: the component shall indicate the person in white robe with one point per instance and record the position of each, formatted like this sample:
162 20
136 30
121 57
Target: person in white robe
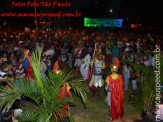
84 68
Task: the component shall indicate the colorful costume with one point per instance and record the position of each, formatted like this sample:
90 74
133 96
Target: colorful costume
77 60
64 92
27 64
97 49
116 88
55 67
97 80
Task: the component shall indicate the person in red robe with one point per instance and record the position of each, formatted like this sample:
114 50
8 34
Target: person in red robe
64 93
115 84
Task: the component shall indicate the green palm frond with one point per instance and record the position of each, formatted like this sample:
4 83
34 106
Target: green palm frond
27 116
44 93
147 84
44 116
78 84
139 68
80 87
36 61
150 52
15 91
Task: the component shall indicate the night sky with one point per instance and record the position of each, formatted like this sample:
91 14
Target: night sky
147 12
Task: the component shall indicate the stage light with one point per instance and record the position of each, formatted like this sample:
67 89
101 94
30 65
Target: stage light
111 10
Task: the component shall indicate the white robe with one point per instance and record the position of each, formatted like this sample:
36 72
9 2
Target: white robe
84 68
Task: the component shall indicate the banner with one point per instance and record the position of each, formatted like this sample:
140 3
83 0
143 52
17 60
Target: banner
101 22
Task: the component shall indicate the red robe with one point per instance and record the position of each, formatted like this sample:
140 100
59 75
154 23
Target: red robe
117 97
89 79
64 92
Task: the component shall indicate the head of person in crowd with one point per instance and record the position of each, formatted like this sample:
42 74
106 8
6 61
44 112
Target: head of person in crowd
4 55
41 43
10 65
4 67
48 57
80 43
16 105
16 53
145 57
11 56
43 57
20 58
10 68
114 68
84 53
100 56
62 51
125 65
20 53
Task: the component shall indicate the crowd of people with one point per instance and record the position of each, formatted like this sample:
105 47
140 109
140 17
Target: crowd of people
87 51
